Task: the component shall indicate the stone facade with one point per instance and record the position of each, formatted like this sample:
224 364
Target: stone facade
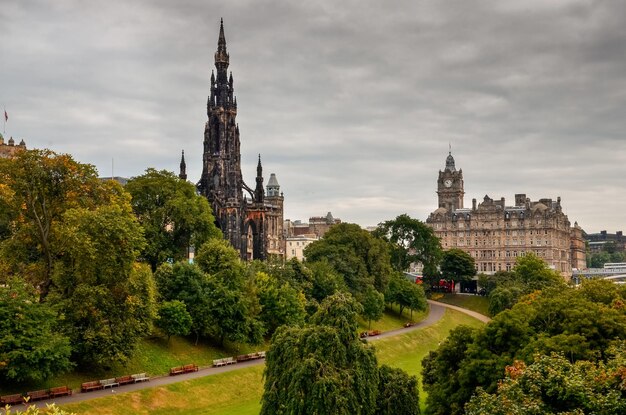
8 149
296 245
495 234
317 226
253 226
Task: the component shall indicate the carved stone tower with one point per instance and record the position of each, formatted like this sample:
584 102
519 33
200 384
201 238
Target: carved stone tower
243 221
450 186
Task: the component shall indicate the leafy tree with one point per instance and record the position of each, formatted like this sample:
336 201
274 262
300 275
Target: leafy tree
406 294
31 349
321 368
217 256
38 187
107 300
397 393
186 283
173 215
533 273
373 304
446 392
412 242
599 259
554 385
355 254
325 281
281 304
557 319
174 319
457 265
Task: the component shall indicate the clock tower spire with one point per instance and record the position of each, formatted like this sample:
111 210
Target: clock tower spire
450 185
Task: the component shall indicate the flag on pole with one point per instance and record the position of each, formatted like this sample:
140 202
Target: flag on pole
6 116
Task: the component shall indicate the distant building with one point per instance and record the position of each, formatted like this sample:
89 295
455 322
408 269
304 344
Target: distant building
495 234
121 180
317 226
9 148
598 242
296 245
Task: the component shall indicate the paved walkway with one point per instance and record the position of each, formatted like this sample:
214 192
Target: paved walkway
437 311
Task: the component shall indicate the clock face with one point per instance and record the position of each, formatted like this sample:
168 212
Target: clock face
447 183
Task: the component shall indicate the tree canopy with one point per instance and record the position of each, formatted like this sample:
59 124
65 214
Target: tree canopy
173 215
457 265
412 242
355 254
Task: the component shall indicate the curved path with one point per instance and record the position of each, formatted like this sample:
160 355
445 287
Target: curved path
437 311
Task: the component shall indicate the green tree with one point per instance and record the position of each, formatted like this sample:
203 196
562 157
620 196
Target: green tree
321 368
457 265
446 391
406 294
106 299
355 254
174 319
412 242
599 259
373 304
281 304
186 283
557 319
37 188
533 273
173 215
397 393
31 349
554 385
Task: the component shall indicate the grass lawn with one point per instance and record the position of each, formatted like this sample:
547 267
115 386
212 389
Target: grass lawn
476 303
239 392
153 356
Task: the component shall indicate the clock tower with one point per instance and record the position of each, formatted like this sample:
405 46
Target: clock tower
450 186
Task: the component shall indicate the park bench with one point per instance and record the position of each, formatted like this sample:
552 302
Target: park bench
124 380
38 395
183 369
108 383
140 377
224 361
261 354
244 357
374 332
60 391
90 386
190 368
11 399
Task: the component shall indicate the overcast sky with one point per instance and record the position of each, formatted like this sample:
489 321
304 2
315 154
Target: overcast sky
351 103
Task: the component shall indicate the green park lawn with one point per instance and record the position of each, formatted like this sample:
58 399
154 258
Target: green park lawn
476 303
156 356
239 391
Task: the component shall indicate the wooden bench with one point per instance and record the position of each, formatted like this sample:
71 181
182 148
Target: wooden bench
38 395
11 399
90 386
374 332
108 383
140 377
190 368
60 391
124 380
176 370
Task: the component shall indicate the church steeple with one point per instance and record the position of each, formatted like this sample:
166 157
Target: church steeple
183 167
259 193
